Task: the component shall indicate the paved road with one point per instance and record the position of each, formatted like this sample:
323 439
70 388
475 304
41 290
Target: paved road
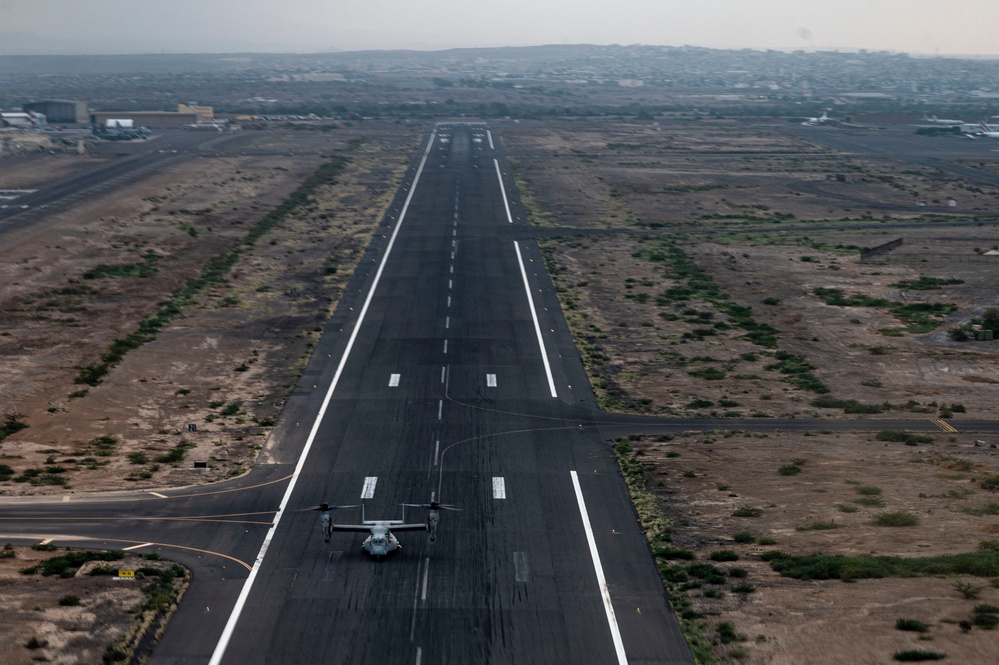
447 373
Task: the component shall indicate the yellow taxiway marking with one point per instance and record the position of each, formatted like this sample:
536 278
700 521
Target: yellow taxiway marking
234 489
944 425
139 543
181 518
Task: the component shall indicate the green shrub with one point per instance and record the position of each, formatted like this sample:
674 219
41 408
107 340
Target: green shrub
818 525
869 566
990 483
743 537
789 470
911 624
727 634
916 655
908 438
69 600
746 511
895 519
723 555
744 588
985 621
672 553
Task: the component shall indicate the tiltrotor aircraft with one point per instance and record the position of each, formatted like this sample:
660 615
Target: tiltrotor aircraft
381 541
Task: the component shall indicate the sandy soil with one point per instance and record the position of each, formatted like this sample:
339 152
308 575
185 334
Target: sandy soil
41 622
651 348
226 364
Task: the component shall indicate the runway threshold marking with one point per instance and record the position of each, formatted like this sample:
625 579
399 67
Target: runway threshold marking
368 491
944 425
490 380
499 487
244 594
534 317
394 380
601 580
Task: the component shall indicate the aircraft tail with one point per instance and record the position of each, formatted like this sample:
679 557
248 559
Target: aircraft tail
985 128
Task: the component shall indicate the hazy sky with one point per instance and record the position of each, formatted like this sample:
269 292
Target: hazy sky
133 26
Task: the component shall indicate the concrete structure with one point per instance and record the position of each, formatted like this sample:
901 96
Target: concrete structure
16 120
206 113
60 110
145 118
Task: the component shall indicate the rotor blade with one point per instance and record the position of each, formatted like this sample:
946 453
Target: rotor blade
432 506
331 507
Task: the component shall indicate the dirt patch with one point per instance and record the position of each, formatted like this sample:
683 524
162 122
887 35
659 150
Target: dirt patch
844 482
226 364
73 618
784 320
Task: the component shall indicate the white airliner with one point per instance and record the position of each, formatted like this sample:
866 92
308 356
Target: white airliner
816 121
988 131
942 121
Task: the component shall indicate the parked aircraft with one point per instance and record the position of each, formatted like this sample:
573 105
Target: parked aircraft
988 131
933 120
809 122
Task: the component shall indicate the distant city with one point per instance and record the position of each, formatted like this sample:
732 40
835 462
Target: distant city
516 81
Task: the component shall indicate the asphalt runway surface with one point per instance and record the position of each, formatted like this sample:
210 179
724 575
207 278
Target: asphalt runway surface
446 373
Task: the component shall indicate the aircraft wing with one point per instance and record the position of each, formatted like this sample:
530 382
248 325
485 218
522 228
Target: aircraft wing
422 526
356 528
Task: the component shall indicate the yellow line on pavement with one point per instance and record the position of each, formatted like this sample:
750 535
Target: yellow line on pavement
944 425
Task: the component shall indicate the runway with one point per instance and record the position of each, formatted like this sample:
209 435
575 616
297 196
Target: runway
446 373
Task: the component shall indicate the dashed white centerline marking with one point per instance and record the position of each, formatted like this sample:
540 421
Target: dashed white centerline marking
394 380
450 284
523 570
445 346
506 204
426 575
489 135
437 449
491 380
440 409
368 491
419 655
499 487
447 322
449 301
537 326
135 547
443 369
601 580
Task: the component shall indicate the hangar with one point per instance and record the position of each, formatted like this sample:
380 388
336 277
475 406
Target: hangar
60 110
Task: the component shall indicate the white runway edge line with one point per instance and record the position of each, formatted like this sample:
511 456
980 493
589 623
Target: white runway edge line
244 594
537 326
506 204
622 658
